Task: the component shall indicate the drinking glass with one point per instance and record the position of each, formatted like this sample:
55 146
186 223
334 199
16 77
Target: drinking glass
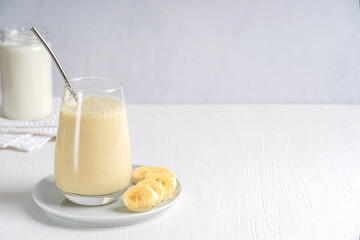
92 154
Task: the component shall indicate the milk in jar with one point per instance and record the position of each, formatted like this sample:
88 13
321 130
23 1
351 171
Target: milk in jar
26 81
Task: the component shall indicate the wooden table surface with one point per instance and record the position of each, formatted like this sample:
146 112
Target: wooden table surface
248 172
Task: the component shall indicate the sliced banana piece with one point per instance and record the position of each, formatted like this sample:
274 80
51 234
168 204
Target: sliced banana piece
140 198
153 170
167 181
156 186
139 174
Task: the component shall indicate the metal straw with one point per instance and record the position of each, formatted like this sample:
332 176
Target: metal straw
47 47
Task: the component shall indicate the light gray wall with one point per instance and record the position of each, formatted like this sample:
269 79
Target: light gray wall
206 51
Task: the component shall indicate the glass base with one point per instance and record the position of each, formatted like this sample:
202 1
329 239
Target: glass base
94 200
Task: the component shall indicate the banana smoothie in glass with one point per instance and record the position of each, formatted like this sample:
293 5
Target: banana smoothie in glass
93 154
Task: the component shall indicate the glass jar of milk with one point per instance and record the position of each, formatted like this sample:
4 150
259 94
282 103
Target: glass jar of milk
26 83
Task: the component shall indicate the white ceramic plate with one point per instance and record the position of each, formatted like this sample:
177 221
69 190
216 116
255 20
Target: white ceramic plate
48 197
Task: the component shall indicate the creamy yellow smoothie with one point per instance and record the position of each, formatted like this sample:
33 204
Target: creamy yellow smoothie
92 155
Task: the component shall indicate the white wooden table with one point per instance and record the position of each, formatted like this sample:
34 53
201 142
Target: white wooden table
248 172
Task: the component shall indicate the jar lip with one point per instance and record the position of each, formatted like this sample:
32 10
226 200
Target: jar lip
21 33
118 84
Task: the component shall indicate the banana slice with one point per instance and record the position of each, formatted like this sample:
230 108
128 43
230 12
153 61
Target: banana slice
153 170
156 186
139 174
167 181
140 198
